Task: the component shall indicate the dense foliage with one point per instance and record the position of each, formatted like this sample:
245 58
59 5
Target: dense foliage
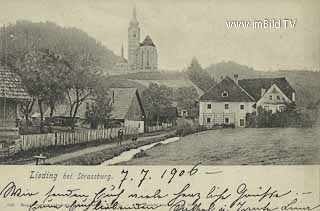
288 118
199 76
56 64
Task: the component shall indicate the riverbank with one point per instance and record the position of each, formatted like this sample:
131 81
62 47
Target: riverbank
60 153
99 155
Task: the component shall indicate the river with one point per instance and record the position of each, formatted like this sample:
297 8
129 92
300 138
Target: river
128 155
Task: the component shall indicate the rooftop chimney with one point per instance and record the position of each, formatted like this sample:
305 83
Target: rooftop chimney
293 96
236 77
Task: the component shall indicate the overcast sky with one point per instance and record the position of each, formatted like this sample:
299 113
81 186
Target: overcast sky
182 29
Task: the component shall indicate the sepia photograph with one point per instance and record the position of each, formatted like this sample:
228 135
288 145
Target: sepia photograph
143 82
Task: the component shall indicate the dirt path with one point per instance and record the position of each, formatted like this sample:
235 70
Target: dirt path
67 156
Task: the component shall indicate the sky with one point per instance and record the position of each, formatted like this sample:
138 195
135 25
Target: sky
183 29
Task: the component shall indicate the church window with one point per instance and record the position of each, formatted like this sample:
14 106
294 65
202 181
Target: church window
148 58
142 59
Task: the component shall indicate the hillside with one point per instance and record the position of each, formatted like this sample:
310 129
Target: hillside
143 79
306 83
25 35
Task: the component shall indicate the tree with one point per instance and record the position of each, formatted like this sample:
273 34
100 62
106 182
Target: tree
43 74
155 98
81 82
199 76
186 97
26 107
98 112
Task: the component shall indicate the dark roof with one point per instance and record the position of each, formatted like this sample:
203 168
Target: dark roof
147 42
122 99
168 112
235 92
254 86
11 85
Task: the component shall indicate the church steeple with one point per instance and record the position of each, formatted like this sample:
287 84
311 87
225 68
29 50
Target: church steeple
134 20
133 39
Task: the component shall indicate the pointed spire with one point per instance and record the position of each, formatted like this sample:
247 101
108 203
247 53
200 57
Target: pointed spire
134 12
122 54
134 16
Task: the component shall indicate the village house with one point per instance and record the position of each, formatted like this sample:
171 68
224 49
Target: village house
127 109
272 94
229 102
12 93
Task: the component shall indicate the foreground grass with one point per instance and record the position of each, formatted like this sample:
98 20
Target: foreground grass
250 146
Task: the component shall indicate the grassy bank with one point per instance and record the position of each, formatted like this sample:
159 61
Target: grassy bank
99 157
24 157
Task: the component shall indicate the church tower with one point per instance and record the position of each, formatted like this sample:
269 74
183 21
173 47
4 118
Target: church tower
133 40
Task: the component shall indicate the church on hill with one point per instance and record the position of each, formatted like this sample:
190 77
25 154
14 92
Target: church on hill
142 56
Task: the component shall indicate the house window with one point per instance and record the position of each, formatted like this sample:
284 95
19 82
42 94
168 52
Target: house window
241 122
226 120
224 94
208 120
270 97
241 107
282 108
226 106
278 97
209 106
139 125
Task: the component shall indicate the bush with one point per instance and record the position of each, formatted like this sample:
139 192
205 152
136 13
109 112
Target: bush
185 129
288 118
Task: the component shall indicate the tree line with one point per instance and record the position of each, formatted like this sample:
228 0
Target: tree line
56 65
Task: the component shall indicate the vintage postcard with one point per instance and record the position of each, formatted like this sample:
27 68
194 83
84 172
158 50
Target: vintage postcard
160 105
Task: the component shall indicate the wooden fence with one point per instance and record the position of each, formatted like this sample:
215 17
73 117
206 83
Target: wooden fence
78 137
160 127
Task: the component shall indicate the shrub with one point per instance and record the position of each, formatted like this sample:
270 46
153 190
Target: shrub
185 129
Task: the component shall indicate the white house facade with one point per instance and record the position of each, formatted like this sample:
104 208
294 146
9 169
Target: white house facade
225 104
274 100
229 102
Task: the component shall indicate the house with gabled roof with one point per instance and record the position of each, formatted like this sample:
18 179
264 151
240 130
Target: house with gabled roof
228 102
127 108
272 94
12 92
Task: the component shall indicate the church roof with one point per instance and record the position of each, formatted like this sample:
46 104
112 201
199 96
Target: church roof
11 85
147 42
